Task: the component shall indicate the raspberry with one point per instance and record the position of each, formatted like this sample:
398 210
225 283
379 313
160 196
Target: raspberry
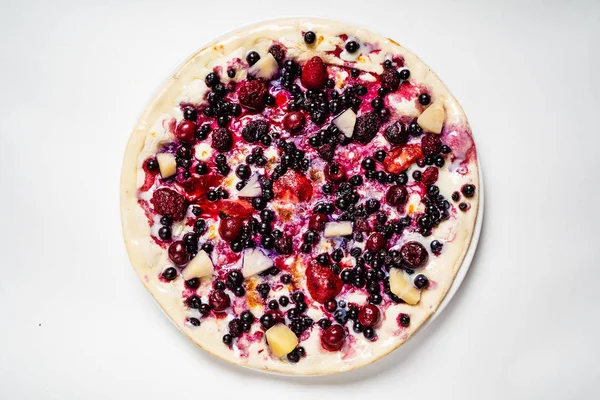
390 79
253 94
222 140
431 145
278 52
314 73
396 133
366 128
429 176
254 130
169 203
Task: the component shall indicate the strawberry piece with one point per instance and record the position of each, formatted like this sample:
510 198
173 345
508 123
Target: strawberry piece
293 187
253 94
401 158
235 208
169 203
429 176
322 283
314 73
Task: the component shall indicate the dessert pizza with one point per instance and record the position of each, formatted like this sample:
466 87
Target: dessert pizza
300 196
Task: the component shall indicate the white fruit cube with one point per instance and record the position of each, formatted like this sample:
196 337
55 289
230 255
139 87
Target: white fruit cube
345 122
252 188
401 285
166 164
265 68
333 229
255 262
432 119
199 267
281 340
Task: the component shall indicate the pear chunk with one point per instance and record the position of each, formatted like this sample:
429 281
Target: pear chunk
265 68
252 188
401 285
199 267
281 340
432 119
255 262
166 164
333 229
345 122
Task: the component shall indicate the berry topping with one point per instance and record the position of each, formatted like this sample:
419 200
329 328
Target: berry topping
186 131
390 79
414 254
369 315
317 222
431 145
278 52
255 130
294 121
333 338
169 203
401 158
366 128
429 176
396 196
376 242
468 190
310 37
222 140
334 172
283 245
218 300
230 228
421 281
314 73
293 186
396 133
178 253
235 208
322 283
253 94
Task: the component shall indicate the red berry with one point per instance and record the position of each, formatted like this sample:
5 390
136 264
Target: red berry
283 245
253 94
219 300
178 253
322 283
186 131
376 242
235 208
401 158
334 172
396 196
294 121
230 228
429 176
331 305
327 151
293 187
369 315
169 203
414 254
317 222
333 338
396 133
431 145
314 73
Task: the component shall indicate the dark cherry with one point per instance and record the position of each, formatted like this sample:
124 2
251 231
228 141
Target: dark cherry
369 315
178 253
230 228
186 131
396 195
334 172
294 121
218 300
333 337
414 254
317 221
376 242
331 305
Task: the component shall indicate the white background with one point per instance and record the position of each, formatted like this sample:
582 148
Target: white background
77 324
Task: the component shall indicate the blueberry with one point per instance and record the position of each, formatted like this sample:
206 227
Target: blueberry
170 273
164 233
211 79
468 190
424 99
404 320
310 37
368 164
352 46
421 281
227 339
404 74
252 57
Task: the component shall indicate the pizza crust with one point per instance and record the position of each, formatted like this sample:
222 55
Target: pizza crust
149 260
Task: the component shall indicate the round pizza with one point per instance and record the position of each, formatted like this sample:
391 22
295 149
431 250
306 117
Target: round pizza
299 196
